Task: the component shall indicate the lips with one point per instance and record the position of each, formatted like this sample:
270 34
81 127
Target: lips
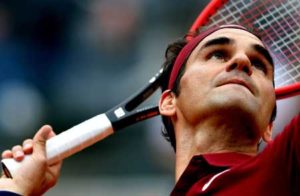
239 81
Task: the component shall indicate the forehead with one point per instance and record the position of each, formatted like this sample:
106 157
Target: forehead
238 35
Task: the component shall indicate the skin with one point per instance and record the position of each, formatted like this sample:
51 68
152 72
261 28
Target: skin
226 98
35 177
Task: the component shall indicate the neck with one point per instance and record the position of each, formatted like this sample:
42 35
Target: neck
211 136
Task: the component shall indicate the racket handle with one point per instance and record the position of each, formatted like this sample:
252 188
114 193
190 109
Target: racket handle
68 142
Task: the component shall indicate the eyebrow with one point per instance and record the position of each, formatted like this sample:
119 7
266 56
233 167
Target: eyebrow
217 41
225 41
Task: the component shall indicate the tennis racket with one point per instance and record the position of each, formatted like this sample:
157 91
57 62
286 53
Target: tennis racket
278 23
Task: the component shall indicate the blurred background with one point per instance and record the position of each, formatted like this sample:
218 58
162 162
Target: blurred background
62 62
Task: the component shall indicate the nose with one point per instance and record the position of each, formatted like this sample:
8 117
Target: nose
240 62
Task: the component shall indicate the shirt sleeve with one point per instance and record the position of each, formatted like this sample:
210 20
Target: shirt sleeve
281 157
8 193
288 141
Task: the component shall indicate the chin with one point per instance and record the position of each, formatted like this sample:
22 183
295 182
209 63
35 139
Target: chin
240 107
243 118
240 98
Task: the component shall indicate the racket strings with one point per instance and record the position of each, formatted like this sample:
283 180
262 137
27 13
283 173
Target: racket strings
287 45
278 23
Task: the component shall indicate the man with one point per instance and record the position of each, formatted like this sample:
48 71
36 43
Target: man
220 102
217 105
35 177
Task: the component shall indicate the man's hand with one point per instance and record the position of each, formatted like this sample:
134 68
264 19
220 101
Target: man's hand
35 176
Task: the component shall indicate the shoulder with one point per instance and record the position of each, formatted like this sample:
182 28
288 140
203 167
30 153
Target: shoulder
287 141
293 128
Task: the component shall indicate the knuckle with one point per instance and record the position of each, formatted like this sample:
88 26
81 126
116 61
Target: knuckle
6 153
16 148
27 141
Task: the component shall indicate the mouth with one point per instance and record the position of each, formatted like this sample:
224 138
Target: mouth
240 82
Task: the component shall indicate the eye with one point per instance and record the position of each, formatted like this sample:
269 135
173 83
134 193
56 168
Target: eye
260 65
218 55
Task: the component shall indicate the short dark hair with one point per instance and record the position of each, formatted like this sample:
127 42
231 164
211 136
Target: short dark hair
171 54
170 57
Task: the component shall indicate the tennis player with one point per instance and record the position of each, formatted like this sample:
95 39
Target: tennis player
217 105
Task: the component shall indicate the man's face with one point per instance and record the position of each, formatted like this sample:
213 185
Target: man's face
230 74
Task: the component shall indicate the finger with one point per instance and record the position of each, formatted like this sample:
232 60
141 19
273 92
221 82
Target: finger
28 146
40 138
51 134
54 172
18 153
7 154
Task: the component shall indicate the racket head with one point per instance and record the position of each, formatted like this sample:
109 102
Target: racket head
278 27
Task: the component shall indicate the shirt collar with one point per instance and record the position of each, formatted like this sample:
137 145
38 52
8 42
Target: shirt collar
228 159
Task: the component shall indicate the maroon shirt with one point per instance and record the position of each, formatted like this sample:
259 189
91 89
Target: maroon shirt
274 171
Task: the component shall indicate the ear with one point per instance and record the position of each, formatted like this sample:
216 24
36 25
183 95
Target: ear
267 134
167 103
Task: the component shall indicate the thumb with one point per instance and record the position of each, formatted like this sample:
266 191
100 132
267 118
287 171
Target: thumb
40 138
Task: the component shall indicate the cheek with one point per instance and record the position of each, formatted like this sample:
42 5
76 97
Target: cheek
200 74
268 99
195 86
195 82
